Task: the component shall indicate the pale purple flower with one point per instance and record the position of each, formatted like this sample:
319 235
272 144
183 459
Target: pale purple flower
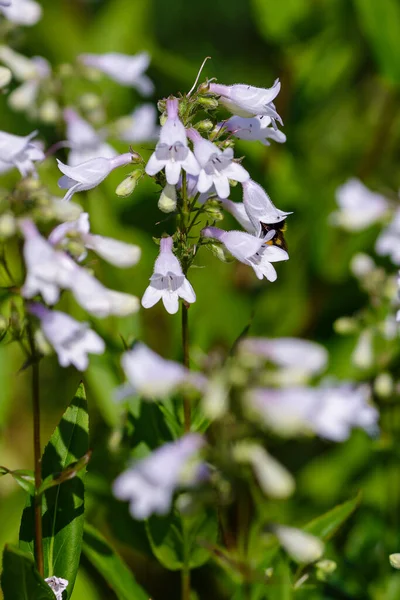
168 283
249 250
254 129
20 152
259 207
89 174
86 144
122 68
288 353
330 412
150 483
113 251
71 340
22 12
238 210
47 270
58 585
172 152
358 206
388 243
140 126
152 377
32 72
217 166
249 101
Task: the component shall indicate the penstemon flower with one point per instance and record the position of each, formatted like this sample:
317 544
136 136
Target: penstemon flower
21 12
113 251
58 585
217 166
122 68
388 242
359 208
89 174
71 340
32 72
172 152
168 283
250 250
150 483
238 210
86 144
140 126
20 152
249 101
259 207
254 129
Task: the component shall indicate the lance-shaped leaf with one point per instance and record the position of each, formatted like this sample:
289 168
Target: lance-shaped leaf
63 505
20 580
24 477
111 566
325 526
69 473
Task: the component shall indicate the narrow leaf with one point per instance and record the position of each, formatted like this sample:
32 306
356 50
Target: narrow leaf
20 580
326 525
63 505
111 566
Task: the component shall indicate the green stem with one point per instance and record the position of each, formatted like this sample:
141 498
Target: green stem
186 361
37 454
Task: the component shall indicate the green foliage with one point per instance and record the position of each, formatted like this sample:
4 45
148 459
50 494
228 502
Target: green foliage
63 505
325 526
20 579
111 566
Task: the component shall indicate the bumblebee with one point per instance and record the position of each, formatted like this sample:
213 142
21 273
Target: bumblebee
279 237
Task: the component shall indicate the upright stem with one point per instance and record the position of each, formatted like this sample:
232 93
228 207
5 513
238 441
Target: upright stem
37 455
185 345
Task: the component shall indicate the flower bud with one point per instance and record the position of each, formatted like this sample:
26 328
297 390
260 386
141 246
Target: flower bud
214 212
361 265
208 102
8 226
163 119
167 201
301 546
127 186
384 385
326 566
345 325
219 252
49 112
5 77
205 126
394 560
216 398
89 102
42 344
363 356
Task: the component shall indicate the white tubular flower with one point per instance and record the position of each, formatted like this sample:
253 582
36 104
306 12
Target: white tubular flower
249 250
217 166
89 174
150 483
363 354
152 377
20 152
259 207
30 71
22 12
71 340
249 101
113 251
358 206
58 585
86 144
140 126
172 150
98 300
304 356
168 283
300 545
5 77
254 129
122 68
47 270
238 210
388 243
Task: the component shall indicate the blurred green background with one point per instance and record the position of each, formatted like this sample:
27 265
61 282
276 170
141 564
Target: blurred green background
339 63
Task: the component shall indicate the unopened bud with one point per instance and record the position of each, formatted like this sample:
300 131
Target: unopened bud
203 88
361 265
214 212
42 344
394 560
363 356
384 385
49 112
301 546
167 201
5 76
208 102
345 325
163 119
65 211
8 226
30 184
127 186
90 101
205 126
219 252
216 398
326 566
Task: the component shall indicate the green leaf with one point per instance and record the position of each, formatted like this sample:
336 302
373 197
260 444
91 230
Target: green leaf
168 535
380 21
111 566
63 505
24 477
20 580
326 525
